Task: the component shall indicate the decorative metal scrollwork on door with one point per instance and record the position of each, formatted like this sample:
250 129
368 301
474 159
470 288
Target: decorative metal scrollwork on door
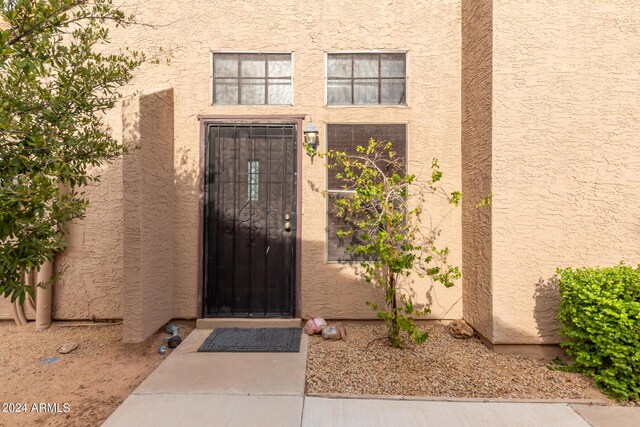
250 223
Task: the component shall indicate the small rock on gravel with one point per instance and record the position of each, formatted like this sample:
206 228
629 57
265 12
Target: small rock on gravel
68 348
460 329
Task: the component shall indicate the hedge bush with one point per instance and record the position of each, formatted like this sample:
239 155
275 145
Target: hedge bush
600 315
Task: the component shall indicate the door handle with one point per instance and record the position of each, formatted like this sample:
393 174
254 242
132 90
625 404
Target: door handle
287 226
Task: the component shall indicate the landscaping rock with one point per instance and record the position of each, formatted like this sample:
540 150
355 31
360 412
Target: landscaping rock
68 348
314 326
460 329
334 333
367 364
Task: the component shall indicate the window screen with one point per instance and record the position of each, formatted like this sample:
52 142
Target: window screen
346 137
251 78
366 78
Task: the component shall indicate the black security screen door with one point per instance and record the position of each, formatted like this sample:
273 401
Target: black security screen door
250 205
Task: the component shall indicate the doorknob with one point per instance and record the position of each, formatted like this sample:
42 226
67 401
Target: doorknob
287 226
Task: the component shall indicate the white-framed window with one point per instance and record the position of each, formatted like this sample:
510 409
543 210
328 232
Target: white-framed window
367 78
347 137
251 78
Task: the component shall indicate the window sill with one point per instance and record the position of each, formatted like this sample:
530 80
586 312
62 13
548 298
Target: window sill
400 107
252 105
348 262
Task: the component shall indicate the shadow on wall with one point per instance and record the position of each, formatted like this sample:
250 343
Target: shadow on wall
186 179
541 330
547 299
130 126
90 286
186 226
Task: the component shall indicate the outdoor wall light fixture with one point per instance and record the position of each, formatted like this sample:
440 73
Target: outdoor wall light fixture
311 138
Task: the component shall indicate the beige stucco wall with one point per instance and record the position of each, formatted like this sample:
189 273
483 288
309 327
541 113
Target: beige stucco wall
566 151
477 37
147 215
188 32
537 102
429 30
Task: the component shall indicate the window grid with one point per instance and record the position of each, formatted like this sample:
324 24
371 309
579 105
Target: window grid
352 79
239 78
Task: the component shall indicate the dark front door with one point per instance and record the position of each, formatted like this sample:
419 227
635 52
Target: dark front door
250 207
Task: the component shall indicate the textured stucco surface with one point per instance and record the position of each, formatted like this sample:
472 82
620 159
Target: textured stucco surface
147 216
477 38
537 102
566 151
429 30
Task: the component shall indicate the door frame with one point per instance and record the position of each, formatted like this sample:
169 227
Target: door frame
260 120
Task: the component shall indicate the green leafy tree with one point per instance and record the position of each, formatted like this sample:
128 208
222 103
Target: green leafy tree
383 217
56 82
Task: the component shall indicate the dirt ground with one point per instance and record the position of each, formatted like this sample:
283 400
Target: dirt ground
443 366
91 380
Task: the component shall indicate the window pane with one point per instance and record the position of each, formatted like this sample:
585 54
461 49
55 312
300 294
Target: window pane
365 65
241 78
252 65
393 65
393 91
346 137
279 91
252 91
365 91
226 91
337 246
339 92
225 65
253 189
339 65
279 65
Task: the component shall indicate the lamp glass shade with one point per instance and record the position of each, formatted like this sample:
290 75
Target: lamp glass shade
311 135
311 138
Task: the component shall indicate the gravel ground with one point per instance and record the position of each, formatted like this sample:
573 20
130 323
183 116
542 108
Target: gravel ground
93 379
444 366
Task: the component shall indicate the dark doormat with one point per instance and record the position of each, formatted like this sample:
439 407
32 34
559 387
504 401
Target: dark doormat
253 340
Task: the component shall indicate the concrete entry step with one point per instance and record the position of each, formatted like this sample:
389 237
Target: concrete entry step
211 323
187 371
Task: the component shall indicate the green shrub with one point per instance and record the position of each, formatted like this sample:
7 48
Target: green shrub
600 315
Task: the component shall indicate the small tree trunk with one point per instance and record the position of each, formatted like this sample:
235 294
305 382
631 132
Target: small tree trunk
394 304
391 283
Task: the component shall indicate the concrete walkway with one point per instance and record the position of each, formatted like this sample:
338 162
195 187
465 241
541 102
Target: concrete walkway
267 389
218 389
